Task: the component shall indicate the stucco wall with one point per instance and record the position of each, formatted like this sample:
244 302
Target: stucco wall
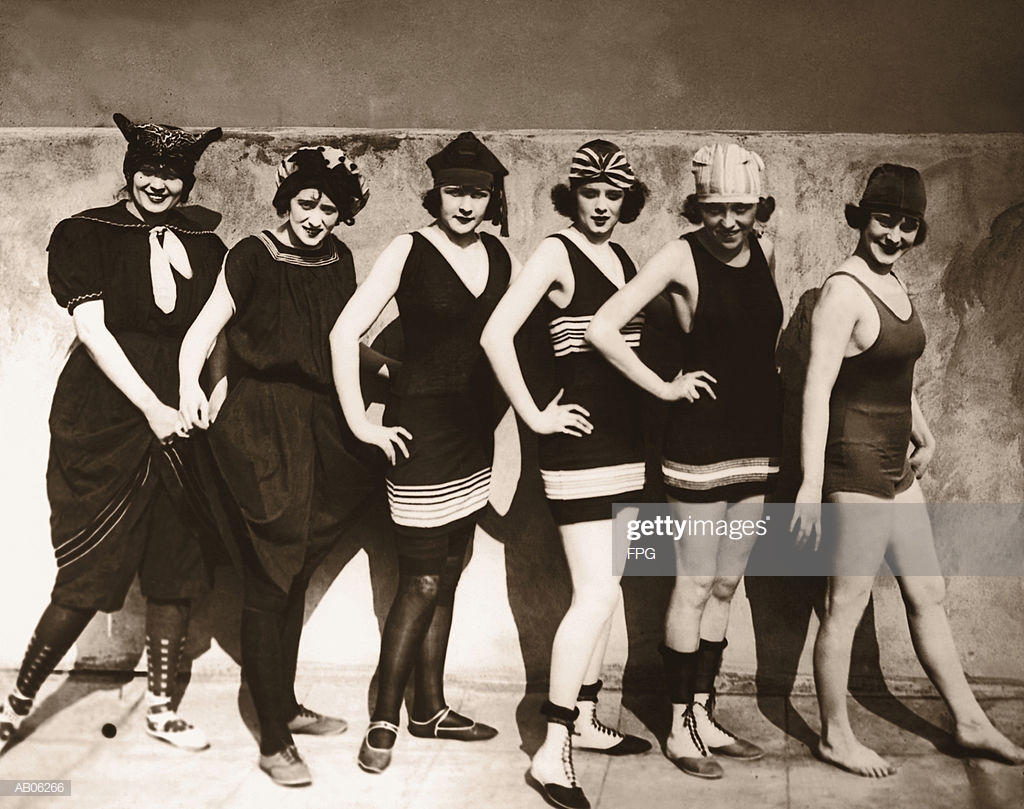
967 281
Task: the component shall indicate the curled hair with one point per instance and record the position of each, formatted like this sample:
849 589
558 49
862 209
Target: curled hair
858 218
691 209
432 204
347 188
564 199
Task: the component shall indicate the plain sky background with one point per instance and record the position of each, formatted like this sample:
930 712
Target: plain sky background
868 66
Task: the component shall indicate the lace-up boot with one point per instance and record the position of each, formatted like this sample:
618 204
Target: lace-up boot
590 733
552 771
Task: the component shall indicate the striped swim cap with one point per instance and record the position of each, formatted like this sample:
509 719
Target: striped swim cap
726 172
601 161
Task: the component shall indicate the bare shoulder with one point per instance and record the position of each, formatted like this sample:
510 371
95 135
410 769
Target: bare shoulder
841 294
674 263
550 261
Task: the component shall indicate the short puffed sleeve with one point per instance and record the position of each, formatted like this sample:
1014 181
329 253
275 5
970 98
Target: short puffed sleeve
240 267
75 267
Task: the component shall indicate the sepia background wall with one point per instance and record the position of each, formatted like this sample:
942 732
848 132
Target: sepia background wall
967 281
537 78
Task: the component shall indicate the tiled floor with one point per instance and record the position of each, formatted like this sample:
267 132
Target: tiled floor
64 740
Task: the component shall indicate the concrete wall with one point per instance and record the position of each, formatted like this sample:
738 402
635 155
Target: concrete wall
967 281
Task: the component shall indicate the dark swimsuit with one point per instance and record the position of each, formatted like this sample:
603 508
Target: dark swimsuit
584 475
727 448
870 419
443 393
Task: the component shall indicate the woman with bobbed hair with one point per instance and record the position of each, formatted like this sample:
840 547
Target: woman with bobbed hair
132 276
438 429
591 445
723 438
861 418
285 454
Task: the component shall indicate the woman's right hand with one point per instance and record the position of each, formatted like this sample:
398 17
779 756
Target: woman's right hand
194 408
165 422
571 419
807 516
689 385
390 440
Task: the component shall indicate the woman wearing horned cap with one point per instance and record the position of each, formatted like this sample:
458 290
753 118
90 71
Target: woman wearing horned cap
860 421
590 447
132 276
722 442
284 451
437 434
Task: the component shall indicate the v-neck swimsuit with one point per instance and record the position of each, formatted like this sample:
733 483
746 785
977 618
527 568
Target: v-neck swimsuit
444 392
584 475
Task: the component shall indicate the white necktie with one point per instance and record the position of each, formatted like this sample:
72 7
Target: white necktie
165 252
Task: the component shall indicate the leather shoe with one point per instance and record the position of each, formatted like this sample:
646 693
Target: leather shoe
286 768
376 759
447 724
312 723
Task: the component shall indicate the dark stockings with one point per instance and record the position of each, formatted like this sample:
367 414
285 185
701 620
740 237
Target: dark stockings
416 634
166 632
58 628
271 629
291 633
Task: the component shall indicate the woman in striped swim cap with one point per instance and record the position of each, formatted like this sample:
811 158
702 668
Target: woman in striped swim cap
723 437
590 441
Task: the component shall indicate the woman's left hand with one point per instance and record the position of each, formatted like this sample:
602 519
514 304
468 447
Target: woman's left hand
920 459
806 520
193 408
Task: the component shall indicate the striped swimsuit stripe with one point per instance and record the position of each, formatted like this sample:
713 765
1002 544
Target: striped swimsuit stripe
724 473
567 334
431 506
88 539
602 481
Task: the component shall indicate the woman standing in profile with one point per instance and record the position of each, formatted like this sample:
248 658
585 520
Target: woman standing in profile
723 438
591 447
438 431
860 420
283 448
132 276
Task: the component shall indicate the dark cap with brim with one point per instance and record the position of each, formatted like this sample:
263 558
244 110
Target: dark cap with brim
896 190
465 161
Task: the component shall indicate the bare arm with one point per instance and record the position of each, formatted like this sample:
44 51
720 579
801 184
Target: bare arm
359 313
922 438
197 346
106 352
832 325
673 264
547 268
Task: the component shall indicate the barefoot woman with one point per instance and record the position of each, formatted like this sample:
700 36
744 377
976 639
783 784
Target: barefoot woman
860 417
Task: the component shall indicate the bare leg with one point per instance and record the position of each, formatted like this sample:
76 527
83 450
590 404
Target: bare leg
913 549
730 564
859 533
578 648
696 565
596 593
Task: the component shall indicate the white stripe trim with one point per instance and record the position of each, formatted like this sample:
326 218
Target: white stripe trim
94 540
437 505
580 484
710 476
